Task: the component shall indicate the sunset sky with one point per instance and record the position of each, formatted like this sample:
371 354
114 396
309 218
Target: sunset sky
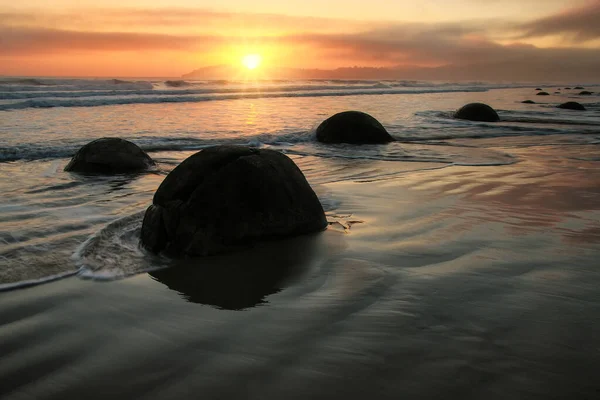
172 37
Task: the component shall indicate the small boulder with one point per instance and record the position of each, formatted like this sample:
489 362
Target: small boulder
538 89
567 88
585 93
352 127
477 112
579 87
556 92
110 156
572 105
528 102
543 94
224 197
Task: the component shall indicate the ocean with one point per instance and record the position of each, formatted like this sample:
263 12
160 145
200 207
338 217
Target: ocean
461 260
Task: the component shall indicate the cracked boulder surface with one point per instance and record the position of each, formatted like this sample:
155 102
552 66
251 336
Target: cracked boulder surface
225 197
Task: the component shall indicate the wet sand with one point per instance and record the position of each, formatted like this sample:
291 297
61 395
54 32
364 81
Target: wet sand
458 282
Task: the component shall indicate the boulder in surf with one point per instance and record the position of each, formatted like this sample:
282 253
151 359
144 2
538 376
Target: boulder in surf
572 105
528 102
109 156
585 93
226 197
543 94
477 112
352 127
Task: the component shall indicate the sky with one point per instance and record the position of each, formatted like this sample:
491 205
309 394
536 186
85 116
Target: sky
168 38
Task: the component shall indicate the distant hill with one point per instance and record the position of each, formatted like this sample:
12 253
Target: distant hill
525 70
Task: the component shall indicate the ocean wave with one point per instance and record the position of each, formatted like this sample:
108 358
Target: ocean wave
296 142
241 90
34 282
24 82
69 85
41 151
49 103
177 83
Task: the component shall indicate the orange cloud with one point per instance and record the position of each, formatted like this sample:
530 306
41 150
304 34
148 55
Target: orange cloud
577 24
174 41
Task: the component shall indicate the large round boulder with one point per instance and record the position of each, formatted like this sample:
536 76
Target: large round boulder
543 94
477 112
572 105
224 197
352 127
109 156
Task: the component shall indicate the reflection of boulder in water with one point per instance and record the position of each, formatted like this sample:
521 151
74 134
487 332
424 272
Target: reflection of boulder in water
572 105
225 197
109 156
478 112
244 279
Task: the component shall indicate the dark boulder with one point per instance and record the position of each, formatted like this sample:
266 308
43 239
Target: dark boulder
109 156
528 102
572 105
543 94
352 127
579 87
585 93
538 89
556 92
477 112
567 88
224 197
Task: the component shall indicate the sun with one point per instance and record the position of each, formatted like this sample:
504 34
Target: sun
251 61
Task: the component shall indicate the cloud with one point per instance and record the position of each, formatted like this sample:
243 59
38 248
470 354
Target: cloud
383 44
23 41
576 24
174 19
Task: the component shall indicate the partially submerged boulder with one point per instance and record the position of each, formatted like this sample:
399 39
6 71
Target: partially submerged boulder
543 94
538 89
579 87
224 197
572 105
352 127
110 156
567 88
528 102
477 112
585 93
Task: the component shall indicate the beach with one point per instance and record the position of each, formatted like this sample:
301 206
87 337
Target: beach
460 261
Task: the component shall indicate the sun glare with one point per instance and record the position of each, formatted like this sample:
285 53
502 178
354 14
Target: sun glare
251 61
